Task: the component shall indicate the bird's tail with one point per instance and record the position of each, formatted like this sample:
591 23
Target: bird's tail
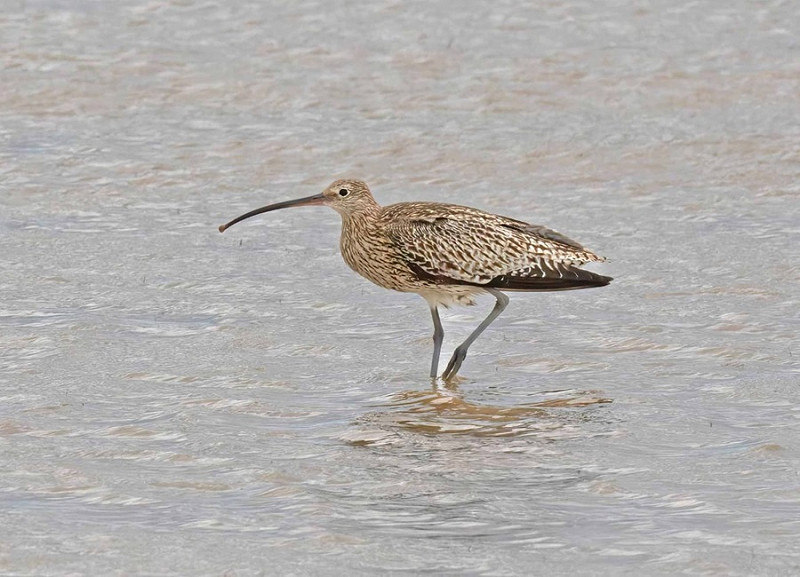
563 278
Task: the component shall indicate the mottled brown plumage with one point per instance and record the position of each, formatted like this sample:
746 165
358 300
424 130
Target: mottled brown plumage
448 253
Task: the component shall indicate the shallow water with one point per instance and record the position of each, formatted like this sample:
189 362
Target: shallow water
176 401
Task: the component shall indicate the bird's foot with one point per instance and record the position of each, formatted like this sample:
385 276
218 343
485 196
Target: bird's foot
455 363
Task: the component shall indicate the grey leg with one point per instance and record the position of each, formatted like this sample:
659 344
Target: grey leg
461 350
438 337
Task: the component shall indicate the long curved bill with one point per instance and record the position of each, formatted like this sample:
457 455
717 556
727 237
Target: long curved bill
307 201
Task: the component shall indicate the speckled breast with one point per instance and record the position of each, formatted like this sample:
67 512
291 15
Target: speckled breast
372 255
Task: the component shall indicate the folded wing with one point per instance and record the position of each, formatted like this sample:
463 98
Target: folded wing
450 244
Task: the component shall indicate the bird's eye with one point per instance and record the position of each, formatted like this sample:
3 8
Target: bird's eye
343 192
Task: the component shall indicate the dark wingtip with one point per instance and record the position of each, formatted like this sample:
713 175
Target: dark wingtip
572 279
602 280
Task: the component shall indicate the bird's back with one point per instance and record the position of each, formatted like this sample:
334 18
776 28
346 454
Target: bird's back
452 244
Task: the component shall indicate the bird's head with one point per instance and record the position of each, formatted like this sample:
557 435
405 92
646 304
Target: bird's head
347 197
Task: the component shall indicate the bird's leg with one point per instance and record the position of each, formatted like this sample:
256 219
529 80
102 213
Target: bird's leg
461 350
438 337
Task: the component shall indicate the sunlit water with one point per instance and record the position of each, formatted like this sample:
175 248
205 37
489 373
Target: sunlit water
176 401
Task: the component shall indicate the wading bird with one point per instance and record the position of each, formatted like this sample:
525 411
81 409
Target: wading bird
448 254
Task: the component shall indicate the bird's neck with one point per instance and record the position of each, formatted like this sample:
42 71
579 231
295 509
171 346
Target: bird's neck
364 245
364 217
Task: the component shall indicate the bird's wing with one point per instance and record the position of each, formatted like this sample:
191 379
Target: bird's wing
451 244
542 232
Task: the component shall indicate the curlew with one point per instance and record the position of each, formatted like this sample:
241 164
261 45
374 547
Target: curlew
448 254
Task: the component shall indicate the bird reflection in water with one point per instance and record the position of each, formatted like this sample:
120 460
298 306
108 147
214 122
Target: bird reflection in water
444 410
